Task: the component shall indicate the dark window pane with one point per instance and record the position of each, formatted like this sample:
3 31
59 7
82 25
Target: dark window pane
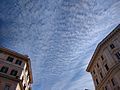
10 59
102 57
18 62
106 88
112 46
4 69
97 65
1 52
118 55
101 75
24 87
106 66
97 82
113 82
13 72
93 71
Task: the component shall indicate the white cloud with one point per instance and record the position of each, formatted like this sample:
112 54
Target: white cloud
60 36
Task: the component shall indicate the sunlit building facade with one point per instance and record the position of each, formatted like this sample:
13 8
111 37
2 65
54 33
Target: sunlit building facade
105 63
15 71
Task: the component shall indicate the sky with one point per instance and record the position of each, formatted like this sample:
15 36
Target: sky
59 36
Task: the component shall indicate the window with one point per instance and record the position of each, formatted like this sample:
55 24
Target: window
93 71
112 46
18 62
10 59
118 55
106 88
113 82
7 87
1 52
102 57
97 65
97 81
101 75
24 87
106 66
4 69
13 72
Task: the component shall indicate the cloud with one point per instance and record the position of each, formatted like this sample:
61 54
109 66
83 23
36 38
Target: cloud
60 37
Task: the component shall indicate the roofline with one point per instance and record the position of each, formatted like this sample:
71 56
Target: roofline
117 28
18 55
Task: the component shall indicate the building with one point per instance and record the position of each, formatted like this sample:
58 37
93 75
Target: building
104 65
15 71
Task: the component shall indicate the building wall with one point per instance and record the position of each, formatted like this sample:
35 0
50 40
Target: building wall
106 58
13 81
11 65
5 81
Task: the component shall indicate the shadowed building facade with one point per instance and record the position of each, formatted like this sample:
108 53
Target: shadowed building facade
15 71
105 63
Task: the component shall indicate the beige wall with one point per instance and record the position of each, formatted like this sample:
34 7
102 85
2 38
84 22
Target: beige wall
112 62
11 65
13 81
5 81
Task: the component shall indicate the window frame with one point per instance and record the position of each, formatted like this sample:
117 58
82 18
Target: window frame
13 72
117 54
101 75
98 65
113 81
94 72
97 82
112 46
102 57
4 69
10 59
18 62
106 67
106 87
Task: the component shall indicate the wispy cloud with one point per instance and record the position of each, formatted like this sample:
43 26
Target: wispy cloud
60 37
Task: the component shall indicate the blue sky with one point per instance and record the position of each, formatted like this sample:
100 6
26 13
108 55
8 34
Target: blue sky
59 36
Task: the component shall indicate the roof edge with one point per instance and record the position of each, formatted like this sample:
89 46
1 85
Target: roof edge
23 57
115 30
14 53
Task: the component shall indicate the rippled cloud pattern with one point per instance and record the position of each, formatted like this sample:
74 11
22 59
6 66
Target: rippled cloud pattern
60 37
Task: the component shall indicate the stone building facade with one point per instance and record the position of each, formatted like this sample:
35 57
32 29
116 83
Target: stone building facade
105 63
15 71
